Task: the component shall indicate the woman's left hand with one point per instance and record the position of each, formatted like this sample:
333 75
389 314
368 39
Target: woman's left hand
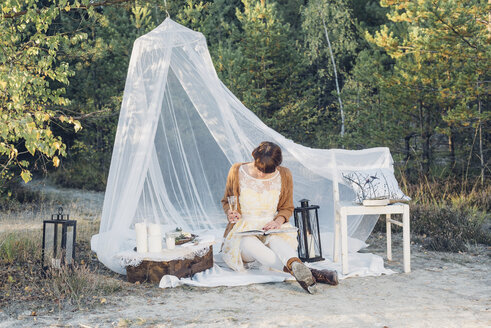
272 225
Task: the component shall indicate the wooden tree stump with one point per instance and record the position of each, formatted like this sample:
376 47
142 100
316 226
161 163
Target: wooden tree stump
153 271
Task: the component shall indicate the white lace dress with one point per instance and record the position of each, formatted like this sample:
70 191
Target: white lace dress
258 202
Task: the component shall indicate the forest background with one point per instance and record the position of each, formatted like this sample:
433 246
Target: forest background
412 76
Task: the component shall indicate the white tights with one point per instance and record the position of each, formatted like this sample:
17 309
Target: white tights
274 254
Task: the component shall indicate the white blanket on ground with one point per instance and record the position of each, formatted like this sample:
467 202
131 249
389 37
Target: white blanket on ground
360 264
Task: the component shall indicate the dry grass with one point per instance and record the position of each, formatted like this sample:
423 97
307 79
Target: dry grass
85 284
448 215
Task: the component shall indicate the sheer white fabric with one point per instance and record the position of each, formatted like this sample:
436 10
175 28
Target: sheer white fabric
179 131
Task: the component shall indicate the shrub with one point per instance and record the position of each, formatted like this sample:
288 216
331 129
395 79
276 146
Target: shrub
448 227
81 176
19 248
86 167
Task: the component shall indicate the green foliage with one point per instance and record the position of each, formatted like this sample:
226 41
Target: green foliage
96 91
33 79
371 119
87 168
316 51
441 51
17 248
414 77
267 58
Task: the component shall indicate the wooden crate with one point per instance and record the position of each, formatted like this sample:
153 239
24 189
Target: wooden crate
153 271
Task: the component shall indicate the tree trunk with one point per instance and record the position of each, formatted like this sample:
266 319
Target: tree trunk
481 153
426 153
407 152
153 271
451 149
335 77
425 122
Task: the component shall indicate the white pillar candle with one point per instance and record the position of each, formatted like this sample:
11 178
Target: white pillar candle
154 238
141 237
154 243
154 229
311 245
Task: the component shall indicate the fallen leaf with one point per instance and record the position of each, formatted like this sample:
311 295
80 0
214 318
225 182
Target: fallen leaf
103 300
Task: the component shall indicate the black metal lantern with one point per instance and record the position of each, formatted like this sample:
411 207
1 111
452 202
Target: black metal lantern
58 241
309 238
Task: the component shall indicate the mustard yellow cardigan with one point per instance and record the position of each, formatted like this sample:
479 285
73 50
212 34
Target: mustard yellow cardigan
285 203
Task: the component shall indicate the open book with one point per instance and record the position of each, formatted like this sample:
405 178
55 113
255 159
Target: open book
266 232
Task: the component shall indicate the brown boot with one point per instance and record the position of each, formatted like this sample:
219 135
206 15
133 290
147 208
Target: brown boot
325 276
301 273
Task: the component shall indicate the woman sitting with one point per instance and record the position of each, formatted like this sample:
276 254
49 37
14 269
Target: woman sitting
264 191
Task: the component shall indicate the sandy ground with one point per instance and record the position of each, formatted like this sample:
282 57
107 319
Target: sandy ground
443 290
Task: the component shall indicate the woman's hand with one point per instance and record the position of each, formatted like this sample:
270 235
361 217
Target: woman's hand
233 216
275 224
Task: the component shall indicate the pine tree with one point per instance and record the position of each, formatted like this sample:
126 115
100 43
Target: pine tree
441 51
268 58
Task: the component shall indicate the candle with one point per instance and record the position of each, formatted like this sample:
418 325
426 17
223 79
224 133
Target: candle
155 243
170 240
154 238
154 229
141 237
311 245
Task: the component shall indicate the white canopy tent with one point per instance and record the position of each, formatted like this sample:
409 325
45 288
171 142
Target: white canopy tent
180 129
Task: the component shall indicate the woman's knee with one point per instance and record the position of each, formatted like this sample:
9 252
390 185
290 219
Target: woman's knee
250 242
252 248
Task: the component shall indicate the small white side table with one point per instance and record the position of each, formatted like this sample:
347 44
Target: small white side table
343 210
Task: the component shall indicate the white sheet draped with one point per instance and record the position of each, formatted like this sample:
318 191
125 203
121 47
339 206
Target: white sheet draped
180 129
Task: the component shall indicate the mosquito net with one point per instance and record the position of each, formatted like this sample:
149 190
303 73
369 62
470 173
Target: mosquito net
180 129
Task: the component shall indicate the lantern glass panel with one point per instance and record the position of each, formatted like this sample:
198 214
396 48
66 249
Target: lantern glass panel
70 232
52 245
302 253
56 260
49 233
314 247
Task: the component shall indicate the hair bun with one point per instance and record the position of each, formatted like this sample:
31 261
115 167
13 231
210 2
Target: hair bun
267 156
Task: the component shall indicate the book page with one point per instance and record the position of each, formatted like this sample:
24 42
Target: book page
268 232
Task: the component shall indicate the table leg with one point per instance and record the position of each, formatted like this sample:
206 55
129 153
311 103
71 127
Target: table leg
344 241
335 248
406 236
389 236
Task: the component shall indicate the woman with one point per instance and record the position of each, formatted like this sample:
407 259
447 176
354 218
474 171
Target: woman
264 191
